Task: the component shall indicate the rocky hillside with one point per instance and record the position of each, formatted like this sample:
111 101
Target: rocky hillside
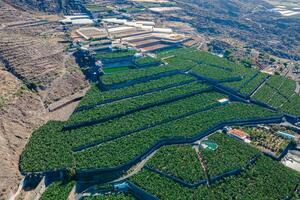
250 21
35 75
50 6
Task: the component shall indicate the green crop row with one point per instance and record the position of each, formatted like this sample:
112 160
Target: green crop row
250 86
57 191
175 52
267 179
209 65
264 93
277 100
229 155
292 106
146 60
115 54
44 140
176 62
276 84
51 149
111 196
94 96
279 92
245 73
110 79
235 85
246 76
190 54
180 161
140 119
119 107
116 69
47 150
113 153
211 72
283 84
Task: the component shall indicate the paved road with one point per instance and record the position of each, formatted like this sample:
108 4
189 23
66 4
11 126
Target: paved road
292 160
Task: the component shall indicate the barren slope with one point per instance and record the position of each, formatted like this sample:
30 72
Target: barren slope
250 21
35 72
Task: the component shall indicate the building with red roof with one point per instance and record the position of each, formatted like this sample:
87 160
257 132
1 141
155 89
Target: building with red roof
239 134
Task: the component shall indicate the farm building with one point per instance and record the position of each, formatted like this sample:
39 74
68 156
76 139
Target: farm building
92 33
163 30
98 45
128 23
164 9
77 20
239 134
223 101
155 41
126 31
114 21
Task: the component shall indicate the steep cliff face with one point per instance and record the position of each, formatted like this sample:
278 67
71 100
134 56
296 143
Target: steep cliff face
50 6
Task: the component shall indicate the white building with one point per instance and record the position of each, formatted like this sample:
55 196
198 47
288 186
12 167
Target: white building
163 30
77 20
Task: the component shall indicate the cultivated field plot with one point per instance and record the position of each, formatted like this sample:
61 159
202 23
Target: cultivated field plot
129 115
112 196
279 93
264 177
175 162
181 161
58 190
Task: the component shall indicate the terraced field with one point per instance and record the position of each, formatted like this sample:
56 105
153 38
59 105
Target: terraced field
254 183
113 196
58 190
279 93
180 161
129 115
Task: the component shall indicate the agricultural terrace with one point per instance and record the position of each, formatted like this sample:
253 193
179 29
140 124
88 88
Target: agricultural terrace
111 196
115 69
57 190
279 92
147 61
115 54
265 177
180 161
129 115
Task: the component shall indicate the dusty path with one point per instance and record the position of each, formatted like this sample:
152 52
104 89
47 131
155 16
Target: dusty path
135 169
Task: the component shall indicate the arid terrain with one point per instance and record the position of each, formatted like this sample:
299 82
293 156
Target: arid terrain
254 23
34 73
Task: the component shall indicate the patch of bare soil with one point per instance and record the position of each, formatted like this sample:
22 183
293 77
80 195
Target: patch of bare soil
35 73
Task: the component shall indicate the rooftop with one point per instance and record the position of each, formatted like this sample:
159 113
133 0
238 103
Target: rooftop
239 133
164 9
92 32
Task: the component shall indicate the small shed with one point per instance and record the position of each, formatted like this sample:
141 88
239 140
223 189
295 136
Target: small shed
223 101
